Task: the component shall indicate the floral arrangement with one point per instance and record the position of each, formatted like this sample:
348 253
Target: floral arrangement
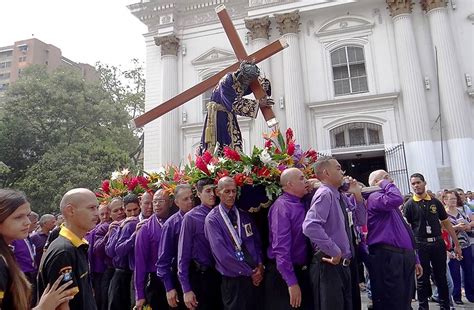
261 168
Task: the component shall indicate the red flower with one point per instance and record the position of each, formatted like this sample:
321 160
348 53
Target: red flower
239 179
206 157
222 173
268 144
313 154
262 172
231 154
291 148
143 182
202 165
289 135
132 184
106 186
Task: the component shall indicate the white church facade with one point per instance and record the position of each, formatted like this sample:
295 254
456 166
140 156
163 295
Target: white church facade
375 83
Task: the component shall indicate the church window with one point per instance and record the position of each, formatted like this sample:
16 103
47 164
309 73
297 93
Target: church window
356 134
348 67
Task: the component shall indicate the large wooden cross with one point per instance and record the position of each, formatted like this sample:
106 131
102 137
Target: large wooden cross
200 88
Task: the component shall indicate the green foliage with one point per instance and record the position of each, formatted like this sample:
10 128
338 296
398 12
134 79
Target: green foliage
58 132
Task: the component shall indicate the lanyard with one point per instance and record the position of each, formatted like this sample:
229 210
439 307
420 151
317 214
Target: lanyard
236 236
31 249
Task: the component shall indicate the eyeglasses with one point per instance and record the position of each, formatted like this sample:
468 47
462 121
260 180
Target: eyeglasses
158 201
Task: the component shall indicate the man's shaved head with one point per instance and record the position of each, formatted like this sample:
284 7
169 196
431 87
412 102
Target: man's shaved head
76 196
288 175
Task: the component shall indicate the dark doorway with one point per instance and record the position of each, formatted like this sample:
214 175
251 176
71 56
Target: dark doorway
359 167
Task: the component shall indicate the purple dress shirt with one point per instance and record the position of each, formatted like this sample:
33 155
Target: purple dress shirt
223 248
117 261
168 250
146 244
39 240
193 245
385 221
288 244
24 252
100 240
126 242
324 222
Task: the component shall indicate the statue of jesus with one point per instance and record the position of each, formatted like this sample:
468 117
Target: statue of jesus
227 101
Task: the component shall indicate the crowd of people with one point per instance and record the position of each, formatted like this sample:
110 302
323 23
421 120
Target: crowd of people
163 250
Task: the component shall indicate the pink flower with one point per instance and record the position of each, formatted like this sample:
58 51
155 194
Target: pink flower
268 144
132 184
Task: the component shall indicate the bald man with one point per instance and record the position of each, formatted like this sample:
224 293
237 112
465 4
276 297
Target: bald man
67 254
391 246
287 281
236 247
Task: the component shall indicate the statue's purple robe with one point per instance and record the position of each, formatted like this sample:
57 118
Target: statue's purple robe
228 97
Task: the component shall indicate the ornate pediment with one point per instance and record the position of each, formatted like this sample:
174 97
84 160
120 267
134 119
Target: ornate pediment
344 24
214 55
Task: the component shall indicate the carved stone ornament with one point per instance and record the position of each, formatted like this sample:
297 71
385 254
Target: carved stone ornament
428 5
288 22
169 45
397 7
259 27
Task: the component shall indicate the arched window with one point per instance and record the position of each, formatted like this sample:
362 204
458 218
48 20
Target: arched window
356 134
348 68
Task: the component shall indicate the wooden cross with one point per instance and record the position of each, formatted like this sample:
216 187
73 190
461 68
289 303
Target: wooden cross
200 88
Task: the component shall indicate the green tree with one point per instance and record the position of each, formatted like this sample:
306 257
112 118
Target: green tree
58 131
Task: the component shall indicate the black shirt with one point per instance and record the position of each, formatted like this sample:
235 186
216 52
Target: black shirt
421 213
67 255
6 301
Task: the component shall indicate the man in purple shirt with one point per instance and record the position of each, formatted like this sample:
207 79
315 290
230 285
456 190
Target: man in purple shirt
47 222
120 295
101 236
287 283
148 288
236 247
199 279
97 262
391 246
166 266
327 225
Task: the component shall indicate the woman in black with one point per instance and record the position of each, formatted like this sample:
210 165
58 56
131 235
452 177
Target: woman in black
15 290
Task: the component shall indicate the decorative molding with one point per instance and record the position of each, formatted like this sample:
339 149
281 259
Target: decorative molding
397 7
288 22
428 5
214 55
259 27
169 45
352 103
343 25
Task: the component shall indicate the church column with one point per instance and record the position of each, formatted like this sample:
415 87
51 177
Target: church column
419 144
169 123
259 29
454 100
296 111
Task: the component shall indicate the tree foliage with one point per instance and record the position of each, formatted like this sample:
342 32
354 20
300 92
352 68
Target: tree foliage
58 131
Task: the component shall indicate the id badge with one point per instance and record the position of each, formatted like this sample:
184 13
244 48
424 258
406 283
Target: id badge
239 255
428 229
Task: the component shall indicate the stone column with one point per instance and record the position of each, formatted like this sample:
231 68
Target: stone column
454 100
419 144
259 29
295 107
169 123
